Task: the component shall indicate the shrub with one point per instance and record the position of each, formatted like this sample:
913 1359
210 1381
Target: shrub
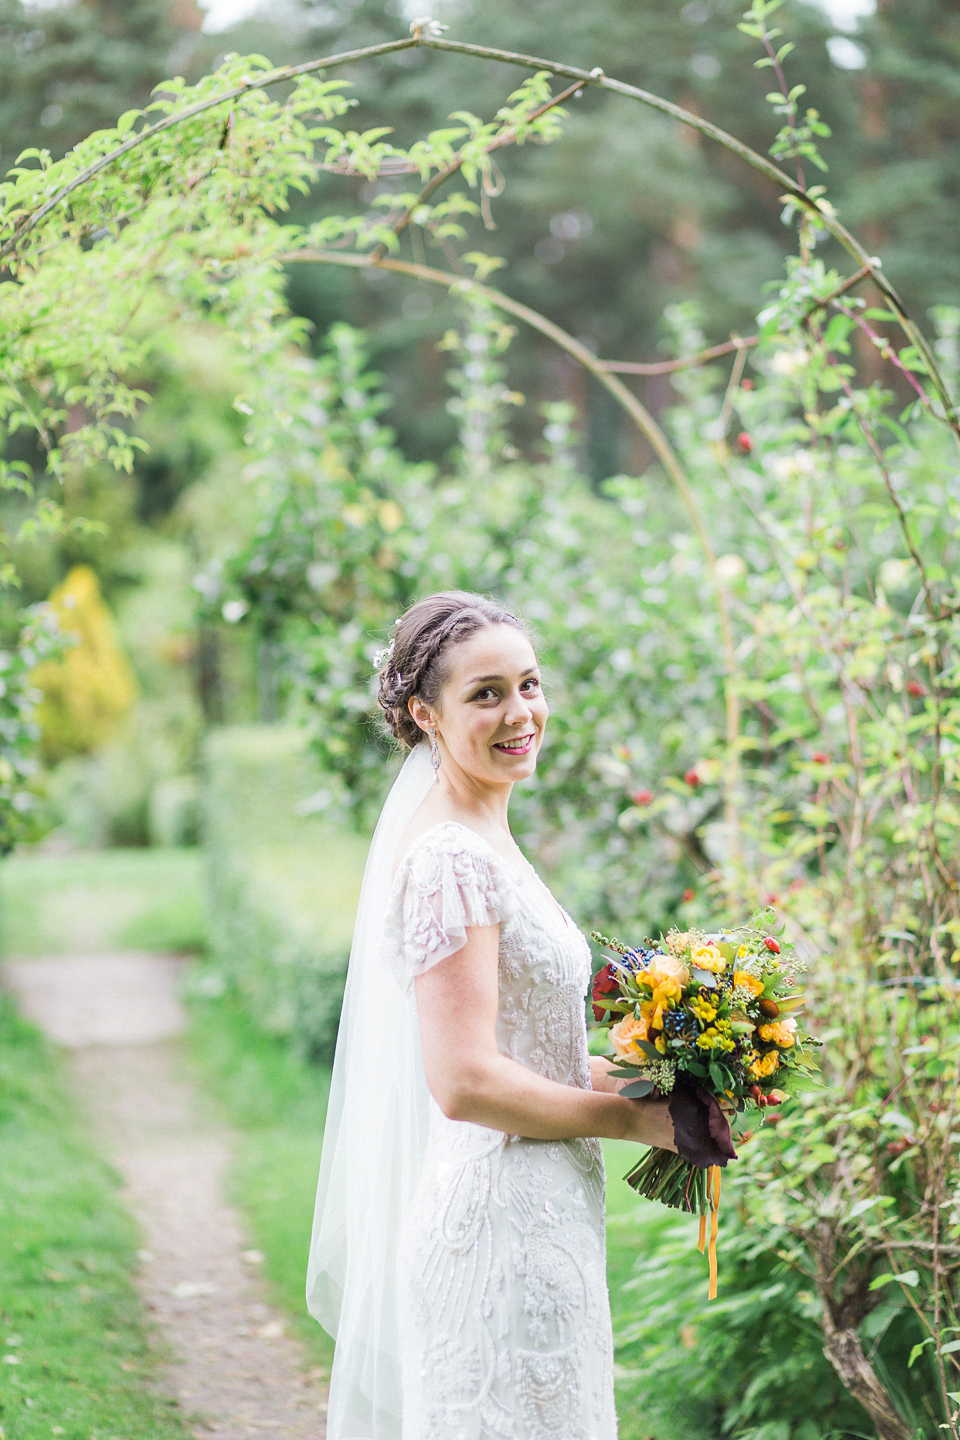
282 885
90 688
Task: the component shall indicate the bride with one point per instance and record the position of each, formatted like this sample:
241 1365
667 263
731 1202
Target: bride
458 1250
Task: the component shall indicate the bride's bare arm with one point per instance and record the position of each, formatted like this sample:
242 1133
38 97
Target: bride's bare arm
471 1080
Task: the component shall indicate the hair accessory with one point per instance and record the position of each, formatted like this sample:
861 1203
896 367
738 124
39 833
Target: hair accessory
435 753
382 655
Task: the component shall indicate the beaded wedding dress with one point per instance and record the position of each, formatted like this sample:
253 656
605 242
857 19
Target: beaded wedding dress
460 1270
504 1300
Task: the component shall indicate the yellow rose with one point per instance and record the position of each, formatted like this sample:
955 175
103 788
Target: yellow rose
765 1065
777 1033
748 981
625 1034
708 957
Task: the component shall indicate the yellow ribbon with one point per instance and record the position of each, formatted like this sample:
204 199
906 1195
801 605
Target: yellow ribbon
713 1190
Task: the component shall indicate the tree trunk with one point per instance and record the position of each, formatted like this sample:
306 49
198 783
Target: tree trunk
845 1353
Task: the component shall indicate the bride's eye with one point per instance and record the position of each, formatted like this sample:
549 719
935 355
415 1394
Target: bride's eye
532 684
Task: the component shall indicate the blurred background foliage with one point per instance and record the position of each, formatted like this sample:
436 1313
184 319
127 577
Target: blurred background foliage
272 523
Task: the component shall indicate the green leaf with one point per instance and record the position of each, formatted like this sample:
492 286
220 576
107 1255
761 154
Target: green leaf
909 1277
917 1351
649 1050
868 1204
638 1089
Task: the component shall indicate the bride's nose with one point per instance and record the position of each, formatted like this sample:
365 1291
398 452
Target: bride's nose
519 709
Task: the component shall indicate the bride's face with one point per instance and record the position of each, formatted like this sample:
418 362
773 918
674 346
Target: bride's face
491 713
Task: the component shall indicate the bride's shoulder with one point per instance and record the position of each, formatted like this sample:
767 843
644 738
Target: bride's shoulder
444 839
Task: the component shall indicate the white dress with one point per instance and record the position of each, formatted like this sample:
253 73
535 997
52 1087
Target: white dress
505 1310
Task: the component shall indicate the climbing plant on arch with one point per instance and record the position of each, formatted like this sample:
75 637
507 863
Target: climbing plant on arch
180 210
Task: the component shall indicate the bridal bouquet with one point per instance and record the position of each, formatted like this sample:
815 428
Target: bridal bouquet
708 1020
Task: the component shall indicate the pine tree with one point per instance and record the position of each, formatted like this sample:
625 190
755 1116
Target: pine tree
71 69
905 195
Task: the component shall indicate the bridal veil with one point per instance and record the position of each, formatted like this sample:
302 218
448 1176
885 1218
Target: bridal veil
373 1147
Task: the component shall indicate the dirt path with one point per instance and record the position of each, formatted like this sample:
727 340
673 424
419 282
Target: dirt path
234 1371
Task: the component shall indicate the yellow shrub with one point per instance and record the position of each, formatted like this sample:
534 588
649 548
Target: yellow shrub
90 688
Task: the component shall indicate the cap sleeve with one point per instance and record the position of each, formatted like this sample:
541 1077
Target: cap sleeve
449 880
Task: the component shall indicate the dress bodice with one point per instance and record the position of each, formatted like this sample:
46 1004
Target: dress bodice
452 878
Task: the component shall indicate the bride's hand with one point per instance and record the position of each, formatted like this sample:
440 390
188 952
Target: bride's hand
650 1124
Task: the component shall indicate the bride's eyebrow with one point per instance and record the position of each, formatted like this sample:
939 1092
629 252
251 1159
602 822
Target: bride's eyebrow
489 679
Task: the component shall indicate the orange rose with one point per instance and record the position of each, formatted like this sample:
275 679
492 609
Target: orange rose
624 1035
748 981
668 967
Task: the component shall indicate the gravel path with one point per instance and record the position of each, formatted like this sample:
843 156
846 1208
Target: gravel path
234 1371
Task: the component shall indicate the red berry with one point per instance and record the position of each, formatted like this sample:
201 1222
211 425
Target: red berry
772 899
692 779
689 894
820 758
772 945
915 688
773 1119
745 442
746 384
641 797
897 1147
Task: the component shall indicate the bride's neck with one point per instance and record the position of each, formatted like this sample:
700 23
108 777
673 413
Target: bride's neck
461 796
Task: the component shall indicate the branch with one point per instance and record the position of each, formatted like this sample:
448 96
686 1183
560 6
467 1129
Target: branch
686 362
271 77
874 445
824 215
736 342
379 251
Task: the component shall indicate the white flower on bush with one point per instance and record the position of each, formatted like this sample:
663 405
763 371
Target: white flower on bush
800 464
790 362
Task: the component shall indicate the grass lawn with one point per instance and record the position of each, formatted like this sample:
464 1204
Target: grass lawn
99 900
75 1359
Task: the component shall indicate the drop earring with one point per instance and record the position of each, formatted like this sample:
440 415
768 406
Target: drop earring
434 753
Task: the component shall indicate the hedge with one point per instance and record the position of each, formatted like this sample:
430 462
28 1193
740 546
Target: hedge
282 884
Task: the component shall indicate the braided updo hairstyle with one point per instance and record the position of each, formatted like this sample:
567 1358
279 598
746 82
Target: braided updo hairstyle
418 660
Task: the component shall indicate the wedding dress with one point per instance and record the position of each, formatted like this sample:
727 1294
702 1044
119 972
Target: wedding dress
486 1315
503 1280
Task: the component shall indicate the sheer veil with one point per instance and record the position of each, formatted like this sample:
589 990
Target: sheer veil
373 1147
